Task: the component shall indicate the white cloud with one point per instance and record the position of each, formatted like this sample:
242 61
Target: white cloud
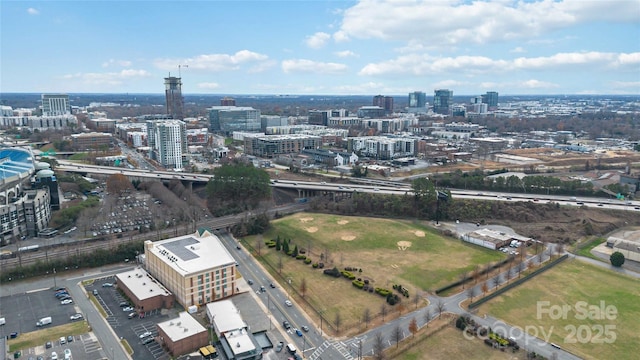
208 85
452 22
537 84
114 62
340 36
108 78
317 40
33 11
425 64
444 84
213 62
517 50
626 84
366 88
345 53
309 66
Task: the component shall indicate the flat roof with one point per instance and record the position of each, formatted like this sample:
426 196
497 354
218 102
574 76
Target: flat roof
225 315
193 253
240 341
141 284
181 327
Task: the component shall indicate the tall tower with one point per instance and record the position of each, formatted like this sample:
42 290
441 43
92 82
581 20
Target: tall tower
417 99
442 101
491 99
227 101
173 94
385 102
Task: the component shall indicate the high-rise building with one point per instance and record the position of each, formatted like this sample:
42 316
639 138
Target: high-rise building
168 142
417 99
385 102
442 99
227 101
55 104
173 95
491 99
228 119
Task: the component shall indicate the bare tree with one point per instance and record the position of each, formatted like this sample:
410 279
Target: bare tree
366 317
540 256
259 246
463 279
396 334
338 321
427 317
440 306
507 275
487 269
383 310
495 281
476 274
416 299
378 346
400 308
303 287
413 327
484 287
471 292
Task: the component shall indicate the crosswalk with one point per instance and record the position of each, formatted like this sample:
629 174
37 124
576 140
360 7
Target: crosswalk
347 349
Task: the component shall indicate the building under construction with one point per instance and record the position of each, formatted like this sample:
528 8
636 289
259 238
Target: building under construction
173 93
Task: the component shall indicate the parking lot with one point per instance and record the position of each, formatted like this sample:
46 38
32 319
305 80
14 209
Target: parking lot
22 311
127 328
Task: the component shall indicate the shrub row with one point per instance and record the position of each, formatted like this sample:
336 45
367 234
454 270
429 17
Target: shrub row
348 275
382 291
358 284
301 257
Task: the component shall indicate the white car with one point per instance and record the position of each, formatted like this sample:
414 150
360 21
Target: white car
127 309
75 317
145 334
66 302
54 356
288 303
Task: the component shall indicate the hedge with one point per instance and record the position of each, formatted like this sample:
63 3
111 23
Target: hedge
382 291
301 257
307 261
358 284
347 274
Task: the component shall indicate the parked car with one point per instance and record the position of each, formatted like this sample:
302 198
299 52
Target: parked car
48 345
107 285
132 315
70 338
128 308
66 302
95 292
63 340
54 356
279 346
124 304
145 334
148 340
60 288
286 325
75 317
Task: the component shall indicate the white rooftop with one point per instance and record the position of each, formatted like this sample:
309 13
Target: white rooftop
181 327
141 284
193 253
225 315
239 341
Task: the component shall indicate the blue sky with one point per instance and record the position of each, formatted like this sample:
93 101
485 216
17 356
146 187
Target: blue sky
322 47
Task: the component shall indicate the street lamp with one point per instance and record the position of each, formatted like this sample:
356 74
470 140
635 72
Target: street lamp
54 278
289 281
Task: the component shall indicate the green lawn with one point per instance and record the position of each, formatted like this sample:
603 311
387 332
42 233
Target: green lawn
388 252
598 337
586 249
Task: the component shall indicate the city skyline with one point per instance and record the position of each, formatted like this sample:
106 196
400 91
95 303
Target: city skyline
322 47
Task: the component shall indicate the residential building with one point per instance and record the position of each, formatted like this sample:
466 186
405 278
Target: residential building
167 140
173 97
55 104
442 101
227 119
371 112
382 148
196 268
227 101
319 117
145 292
331 158
182 335
385 102
237 341
270 146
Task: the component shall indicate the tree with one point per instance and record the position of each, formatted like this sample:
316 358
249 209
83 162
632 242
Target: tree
338 321
259 245
416 299
495 281
383 310
463 279
440 306
378 346
295 251
427 317
617 259
303 287
366 317
413 327
396 334
471 292
118 184
278 244
279 263
484 288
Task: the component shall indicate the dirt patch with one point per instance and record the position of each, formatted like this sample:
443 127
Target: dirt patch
343 222
312 229
419 233
404 245
306 219
348 238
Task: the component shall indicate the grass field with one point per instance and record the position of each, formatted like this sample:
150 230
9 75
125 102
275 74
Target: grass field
451 344
40 337
388 252
567 284
586 249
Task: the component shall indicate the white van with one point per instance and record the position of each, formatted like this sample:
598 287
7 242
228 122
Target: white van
291 348
2 321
